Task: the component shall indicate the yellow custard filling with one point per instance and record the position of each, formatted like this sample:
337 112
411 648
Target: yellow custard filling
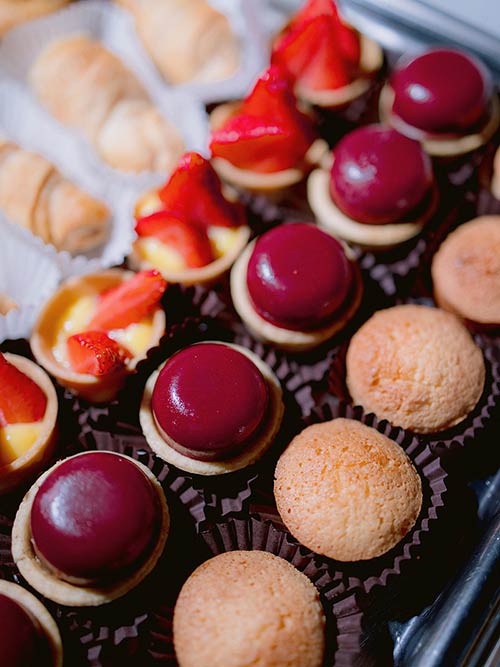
166 258
75 319
16 439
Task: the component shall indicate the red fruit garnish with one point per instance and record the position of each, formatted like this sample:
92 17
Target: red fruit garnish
318 49
130 302
22 401
194 194
188 240
269 133
311 54
95 353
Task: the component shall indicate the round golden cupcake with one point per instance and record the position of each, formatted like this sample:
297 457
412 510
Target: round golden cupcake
28 633
346 491
415 366
212 408
248 607
466 272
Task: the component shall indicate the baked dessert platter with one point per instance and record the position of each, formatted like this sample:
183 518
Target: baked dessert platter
232 448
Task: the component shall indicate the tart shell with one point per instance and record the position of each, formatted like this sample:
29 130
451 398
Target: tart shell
94 389
252 451
29 602
21 469
61 591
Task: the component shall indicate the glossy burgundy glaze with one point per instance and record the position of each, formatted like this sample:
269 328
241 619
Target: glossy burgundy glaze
210 399
298 276
22 642
379 176
94 515
442 91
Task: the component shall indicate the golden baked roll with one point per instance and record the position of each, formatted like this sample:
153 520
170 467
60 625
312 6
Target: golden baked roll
248 608
13 12
346 491
87 87
416 366
187 39
36 196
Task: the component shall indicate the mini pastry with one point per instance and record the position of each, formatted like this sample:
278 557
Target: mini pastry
90 529
85 86
13 12
364 198
264 144
346 491
187 229
96 328
466 272
212 408
295 286
28 415
417 367
7 304
443 98
188 40
36 196
28 633
249 607
330 62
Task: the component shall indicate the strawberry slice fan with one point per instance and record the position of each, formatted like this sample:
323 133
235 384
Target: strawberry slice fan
21 400
93 352
194 194
268 133
319 53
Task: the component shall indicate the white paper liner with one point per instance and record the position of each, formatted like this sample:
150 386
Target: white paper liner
29 274
24 123
246 18
114 27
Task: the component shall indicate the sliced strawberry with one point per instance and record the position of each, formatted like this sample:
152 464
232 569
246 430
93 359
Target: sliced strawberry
257 144
95 353
194 193
347 39
312 55
269 133
190 241
345 36
22 401
130 302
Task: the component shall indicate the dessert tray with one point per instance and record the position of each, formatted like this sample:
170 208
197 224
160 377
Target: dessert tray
242 310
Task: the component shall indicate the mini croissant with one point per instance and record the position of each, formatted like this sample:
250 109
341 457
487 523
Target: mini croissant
13 12
187 39
86 87
34 195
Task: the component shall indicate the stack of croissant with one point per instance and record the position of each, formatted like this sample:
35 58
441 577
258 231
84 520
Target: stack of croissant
34 195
